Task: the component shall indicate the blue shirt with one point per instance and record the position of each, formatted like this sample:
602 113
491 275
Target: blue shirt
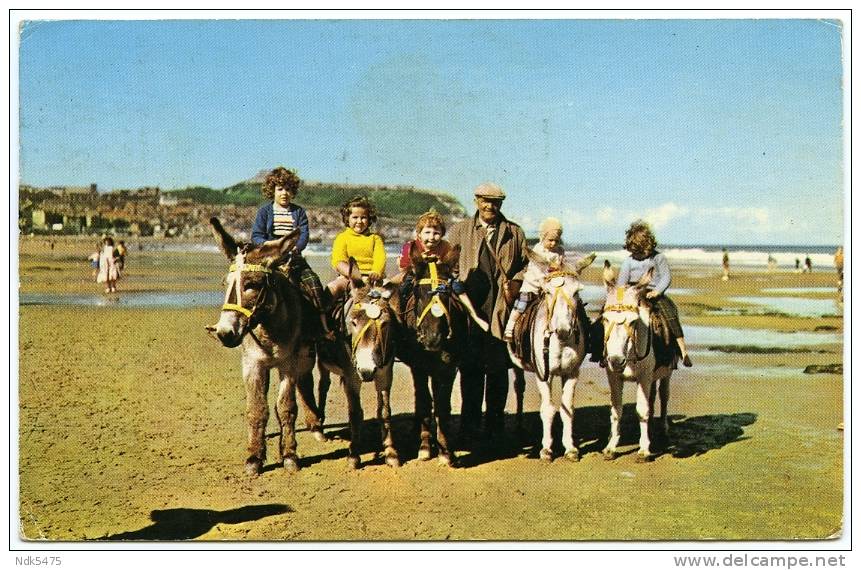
264 225
633 270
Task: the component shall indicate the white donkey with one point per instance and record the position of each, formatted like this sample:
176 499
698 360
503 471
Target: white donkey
630 356
558 346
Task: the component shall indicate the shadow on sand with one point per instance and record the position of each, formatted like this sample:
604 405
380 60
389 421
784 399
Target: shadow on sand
689 436
186 524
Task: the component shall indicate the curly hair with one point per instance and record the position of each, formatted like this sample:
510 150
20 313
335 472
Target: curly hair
280 176
358 202
639 238
430 218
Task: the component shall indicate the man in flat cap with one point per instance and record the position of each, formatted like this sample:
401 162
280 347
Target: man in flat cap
492 261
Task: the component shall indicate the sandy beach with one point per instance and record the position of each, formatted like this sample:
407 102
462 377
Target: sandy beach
131 425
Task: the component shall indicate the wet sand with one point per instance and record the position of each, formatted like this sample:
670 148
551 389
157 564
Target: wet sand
132 427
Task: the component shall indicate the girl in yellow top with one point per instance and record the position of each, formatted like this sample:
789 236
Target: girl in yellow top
357 242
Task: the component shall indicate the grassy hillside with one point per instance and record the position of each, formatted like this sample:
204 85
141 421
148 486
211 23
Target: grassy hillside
397 202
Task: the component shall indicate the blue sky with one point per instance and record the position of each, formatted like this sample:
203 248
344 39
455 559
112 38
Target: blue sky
718 131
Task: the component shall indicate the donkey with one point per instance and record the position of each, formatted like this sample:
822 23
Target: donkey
435 327
264 313
558 326
372 327
630 355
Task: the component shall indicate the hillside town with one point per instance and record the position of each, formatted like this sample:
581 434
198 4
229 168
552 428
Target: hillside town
152 212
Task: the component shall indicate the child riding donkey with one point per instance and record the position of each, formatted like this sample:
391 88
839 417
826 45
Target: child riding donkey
280 217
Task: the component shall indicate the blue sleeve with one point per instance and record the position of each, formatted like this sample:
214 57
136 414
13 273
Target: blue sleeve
661 278
301 219
624 273
259 232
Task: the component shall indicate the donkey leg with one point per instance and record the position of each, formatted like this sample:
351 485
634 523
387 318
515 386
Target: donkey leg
548 412
442 385
566 410
256 379
644 412
313 420
383 381
664 390
287 411
352 389
423 414
615 382
323 383
519 390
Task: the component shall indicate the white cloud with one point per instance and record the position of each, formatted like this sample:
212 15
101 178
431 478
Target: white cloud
663 214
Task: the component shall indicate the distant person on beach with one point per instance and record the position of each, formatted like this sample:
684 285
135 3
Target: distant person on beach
772 264
109 270
430 229
549 249
359 242
808 265
278 218
641 242
121 254
797 265
725 264
838 264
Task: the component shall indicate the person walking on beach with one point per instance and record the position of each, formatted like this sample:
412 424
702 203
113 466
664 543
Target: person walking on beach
725 263
797 265
121 254
772 264
808 265
109 270
278 218
492 261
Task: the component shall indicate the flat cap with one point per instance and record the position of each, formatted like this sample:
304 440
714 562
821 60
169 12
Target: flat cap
489 190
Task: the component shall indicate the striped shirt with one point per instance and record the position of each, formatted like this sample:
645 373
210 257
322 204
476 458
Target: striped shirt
282 220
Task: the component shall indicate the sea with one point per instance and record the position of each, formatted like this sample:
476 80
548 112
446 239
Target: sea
751 256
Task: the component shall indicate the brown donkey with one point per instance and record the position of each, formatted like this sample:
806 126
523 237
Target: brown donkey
264 313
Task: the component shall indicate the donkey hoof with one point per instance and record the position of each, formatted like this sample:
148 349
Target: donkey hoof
253 466
291 464
393 461
424 454
319 435
572 455
354 461
645 458
610 454
545 455
446 459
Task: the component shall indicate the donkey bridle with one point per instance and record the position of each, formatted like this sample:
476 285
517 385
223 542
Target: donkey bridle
236 269
632 334
550 301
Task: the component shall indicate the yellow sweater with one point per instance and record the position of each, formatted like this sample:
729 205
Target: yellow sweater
366 249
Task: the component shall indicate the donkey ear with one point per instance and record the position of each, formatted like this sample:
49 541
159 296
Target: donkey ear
415 255
584 263
224 239
452 258
538 260
356 280
284 246
645 279
608 275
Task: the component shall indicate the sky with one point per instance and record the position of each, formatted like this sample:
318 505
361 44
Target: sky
716 131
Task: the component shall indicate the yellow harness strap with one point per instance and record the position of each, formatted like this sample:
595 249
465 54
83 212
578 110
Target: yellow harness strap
238 268
433 280
434 300
358 338
237 308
